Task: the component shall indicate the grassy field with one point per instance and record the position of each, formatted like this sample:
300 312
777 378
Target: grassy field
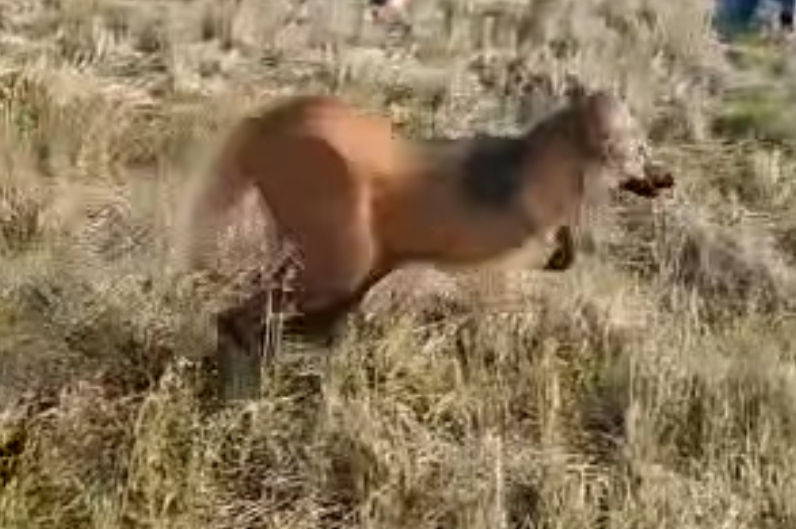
652 386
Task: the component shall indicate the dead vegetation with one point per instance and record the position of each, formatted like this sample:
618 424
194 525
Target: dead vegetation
651 386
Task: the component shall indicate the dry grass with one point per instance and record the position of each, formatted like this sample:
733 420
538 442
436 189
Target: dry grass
652 386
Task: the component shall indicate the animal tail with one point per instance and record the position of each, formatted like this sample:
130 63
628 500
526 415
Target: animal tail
210 197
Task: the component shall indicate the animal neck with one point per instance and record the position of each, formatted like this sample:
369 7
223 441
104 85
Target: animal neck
494 171
558 164
565 127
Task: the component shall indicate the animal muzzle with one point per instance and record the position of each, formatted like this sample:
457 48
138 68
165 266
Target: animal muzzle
657 177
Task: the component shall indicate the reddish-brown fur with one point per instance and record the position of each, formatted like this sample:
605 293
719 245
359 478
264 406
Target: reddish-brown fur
358 200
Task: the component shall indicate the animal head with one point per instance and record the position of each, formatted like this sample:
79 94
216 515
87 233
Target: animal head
613 135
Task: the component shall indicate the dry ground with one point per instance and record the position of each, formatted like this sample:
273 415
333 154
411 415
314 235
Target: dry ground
652 386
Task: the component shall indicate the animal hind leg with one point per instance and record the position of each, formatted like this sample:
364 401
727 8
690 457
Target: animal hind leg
323 325
322 206
338 269
242 332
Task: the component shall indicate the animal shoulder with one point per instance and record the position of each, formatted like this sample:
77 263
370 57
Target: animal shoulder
486 167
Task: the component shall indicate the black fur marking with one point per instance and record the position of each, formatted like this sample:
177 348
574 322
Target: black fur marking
488 166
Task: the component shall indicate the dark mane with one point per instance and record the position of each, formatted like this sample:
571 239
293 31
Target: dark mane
485 164
489 165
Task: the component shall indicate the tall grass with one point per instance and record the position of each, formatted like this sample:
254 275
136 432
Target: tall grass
650 386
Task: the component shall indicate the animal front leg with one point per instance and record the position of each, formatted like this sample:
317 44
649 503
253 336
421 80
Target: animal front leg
564 255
